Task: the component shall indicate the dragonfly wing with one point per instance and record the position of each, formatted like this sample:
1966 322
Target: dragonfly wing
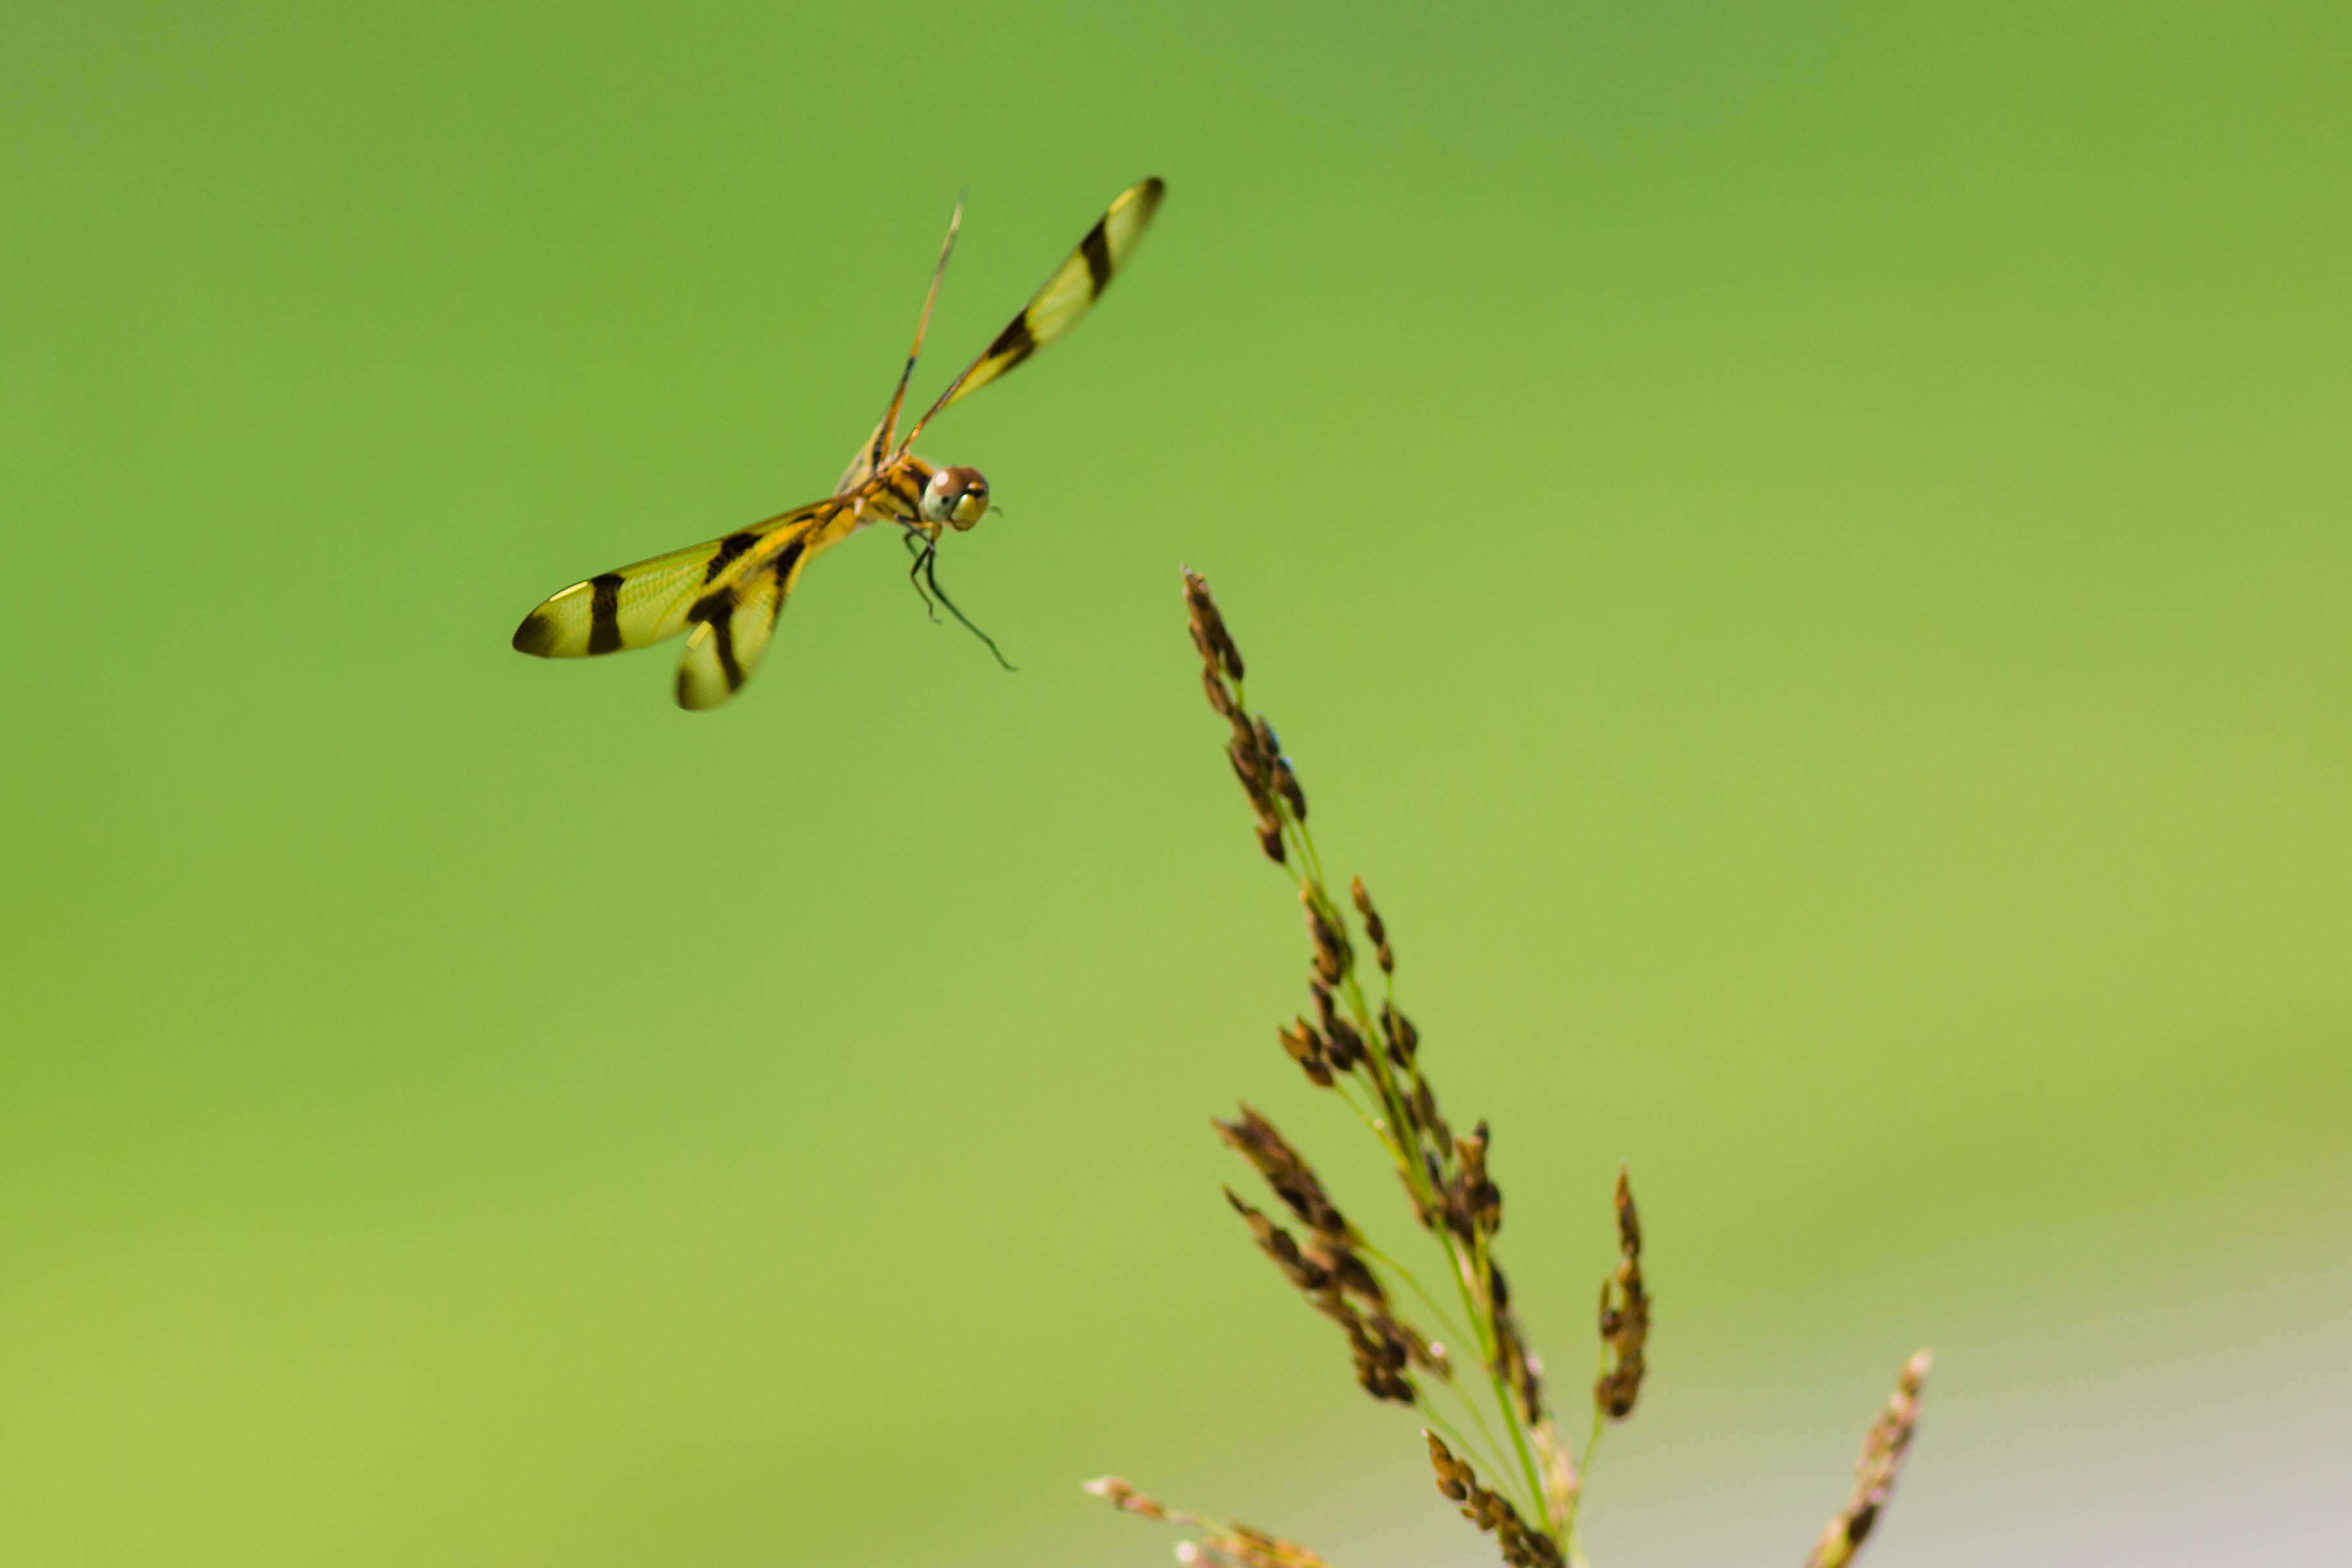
634 606
861 466
879 446
1068 295
735 620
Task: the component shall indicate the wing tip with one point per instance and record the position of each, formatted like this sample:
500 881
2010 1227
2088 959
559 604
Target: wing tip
697 691
536 636
697 697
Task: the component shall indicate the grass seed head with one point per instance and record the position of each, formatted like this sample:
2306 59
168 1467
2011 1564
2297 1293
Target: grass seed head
1308 1276
1255 755
1125 1497
1294 1181
1380 1367
1219 695
1226 1543
1520 1370
1562 1485
1349 1272
1478 1202
1347 1046
1882 1451
1455 1478
1305 1047
1252 773
1522 1546
1452 1194
1624 1315
1425 1105
1334 960
1209 634
1286 781
1340 1042
1372 926
1628 1218
1403 1039
1240 1547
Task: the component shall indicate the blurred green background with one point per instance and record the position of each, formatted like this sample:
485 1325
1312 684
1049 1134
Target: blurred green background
1801 549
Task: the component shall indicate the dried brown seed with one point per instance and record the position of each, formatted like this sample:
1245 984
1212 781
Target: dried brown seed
1245 733
1424 1101
1221 697
1294 1181
1479 1200
1349 1272
1333 959
1624 1315
1455 1478
1305 1047
1209 631
1347 1046
1286 781
1252 786
1373 928
1379 1356
1269 745
1629 1219
1511 1361
1405 1040
1278 1244
1522 1547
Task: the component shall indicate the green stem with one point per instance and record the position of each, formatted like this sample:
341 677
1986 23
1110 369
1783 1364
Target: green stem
1405 1146
1417 1172
1591 1447
1445 1319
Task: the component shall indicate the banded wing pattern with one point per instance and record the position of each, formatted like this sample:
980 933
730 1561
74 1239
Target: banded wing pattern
729 589
1068 295
734 621
726 593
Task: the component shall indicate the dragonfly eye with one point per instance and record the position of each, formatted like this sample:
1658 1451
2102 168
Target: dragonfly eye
957 497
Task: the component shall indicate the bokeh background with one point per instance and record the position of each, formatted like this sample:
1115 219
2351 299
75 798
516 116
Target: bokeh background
1802 549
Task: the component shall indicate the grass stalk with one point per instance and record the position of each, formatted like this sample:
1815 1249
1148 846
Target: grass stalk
1371 1058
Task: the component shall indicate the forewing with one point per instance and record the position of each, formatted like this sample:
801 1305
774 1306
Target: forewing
634 606
1068 294
735 620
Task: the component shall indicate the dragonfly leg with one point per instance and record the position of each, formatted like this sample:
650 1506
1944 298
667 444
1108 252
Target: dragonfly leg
928 561
922 554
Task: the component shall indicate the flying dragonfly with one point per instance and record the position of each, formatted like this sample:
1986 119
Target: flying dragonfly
730 590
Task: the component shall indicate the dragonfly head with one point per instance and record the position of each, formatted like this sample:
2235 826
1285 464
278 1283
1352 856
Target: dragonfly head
957 497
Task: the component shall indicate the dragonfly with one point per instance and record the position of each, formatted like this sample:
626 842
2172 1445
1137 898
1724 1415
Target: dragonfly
727 594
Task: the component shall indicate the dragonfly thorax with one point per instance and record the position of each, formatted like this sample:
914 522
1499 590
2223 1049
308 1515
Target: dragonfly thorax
956 496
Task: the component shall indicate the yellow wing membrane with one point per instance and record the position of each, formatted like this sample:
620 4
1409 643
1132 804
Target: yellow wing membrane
729 589
733 624
1068 295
